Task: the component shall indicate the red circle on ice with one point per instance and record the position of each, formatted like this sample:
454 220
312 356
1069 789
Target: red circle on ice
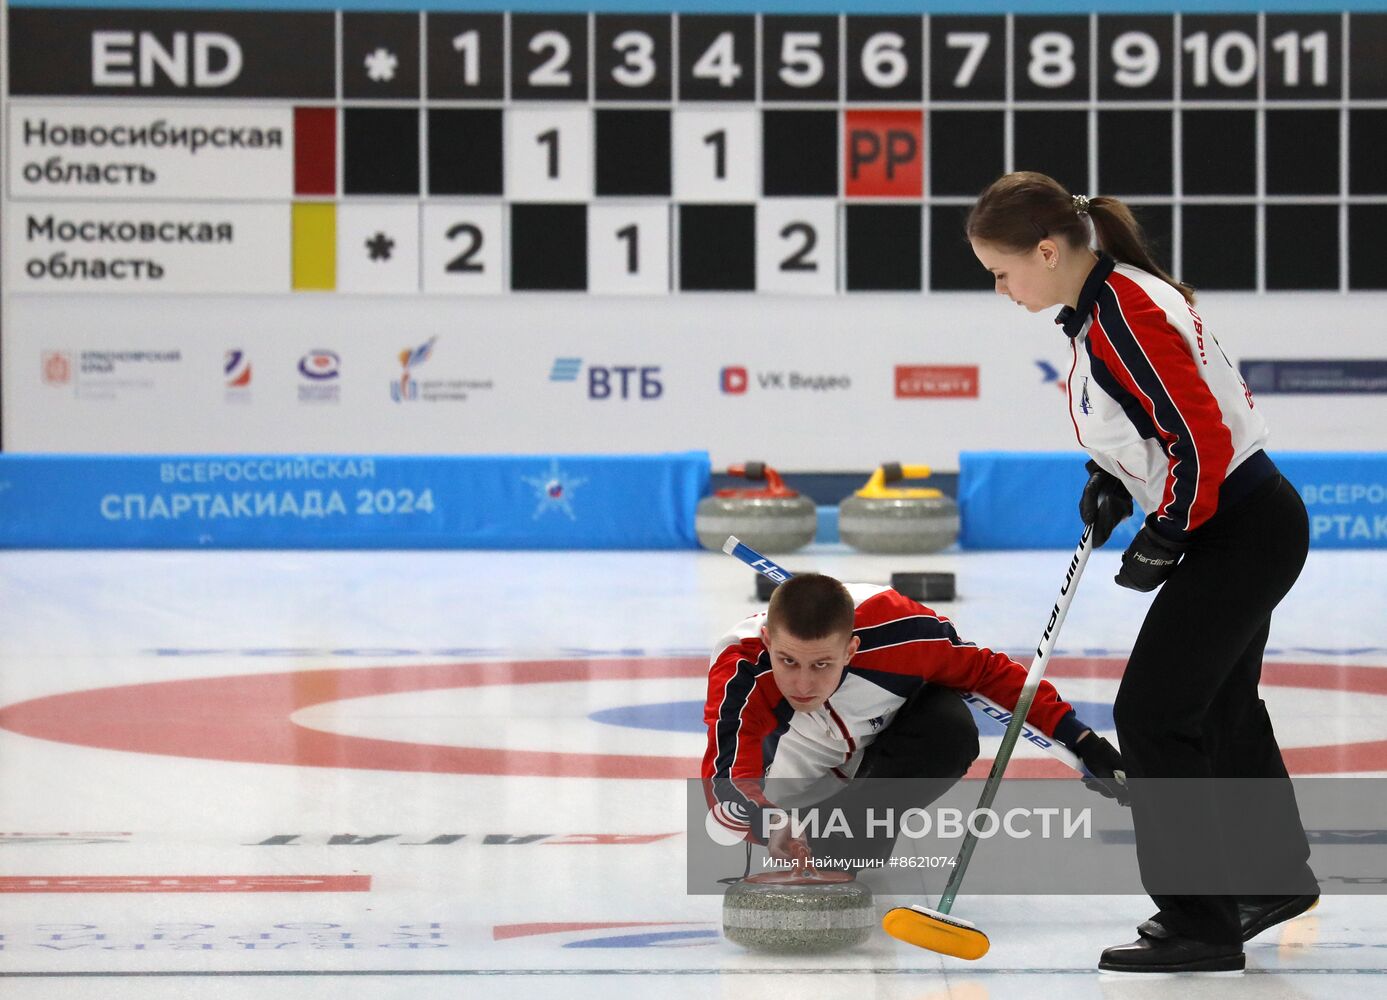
247 718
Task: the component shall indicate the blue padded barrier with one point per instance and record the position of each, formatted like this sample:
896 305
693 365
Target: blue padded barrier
352 502
1029 500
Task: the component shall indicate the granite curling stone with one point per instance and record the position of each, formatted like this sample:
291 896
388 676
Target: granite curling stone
883 519
798 917
773 518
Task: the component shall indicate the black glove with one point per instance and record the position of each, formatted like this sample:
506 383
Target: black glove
1105 502
1148 561
1106 774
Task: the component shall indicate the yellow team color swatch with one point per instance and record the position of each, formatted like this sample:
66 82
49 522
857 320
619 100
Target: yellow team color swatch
315 247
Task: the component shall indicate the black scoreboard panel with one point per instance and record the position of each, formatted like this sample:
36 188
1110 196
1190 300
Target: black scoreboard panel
824 153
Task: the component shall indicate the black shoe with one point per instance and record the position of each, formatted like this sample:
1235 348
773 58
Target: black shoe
1172 954
1153 929
1255 916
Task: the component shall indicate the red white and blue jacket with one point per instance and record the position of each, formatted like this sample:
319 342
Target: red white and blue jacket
755 734
1156 402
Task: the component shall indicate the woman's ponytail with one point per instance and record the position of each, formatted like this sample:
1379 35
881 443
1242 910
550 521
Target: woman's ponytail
1119 235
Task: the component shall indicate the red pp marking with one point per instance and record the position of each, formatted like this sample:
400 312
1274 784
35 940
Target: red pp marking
883 154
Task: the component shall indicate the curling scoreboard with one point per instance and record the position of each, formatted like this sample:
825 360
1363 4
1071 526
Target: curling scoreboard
486 153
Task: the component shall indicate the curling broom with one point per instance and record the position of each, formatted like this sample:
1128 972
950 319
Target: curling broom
935 929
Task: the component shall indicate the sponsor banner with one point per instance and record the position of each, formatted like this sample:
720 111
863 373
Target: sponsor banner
827 386
106 375
147 247
1314 376
610 381
1029 500
504 502
239 373
319 373
122 151
1345 495
183 883
936 381
736 380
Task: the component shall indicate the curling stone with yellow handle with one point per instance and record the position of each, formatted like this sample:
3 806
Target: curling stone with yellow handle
899 520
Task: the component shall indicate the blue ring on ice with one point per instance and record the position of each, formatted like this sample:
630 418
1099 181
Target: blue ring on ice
668 716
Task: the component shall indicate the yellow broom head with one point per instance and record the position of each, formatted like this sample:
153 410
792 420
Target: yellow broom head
938 932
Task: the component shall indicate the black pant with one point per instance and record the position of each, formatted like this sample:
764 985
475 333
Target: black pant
929 745
1188 708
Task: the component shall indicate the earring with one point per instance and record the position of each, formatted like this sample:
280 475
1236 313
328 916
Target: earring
1053 262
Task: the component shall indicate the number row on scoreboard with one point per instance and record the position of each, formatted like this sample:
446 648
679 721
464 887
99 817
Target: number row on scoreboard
565 153
863 58
790 247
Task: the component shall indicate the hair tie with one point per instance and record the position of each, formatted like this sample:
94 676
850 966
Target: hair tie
1080 204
